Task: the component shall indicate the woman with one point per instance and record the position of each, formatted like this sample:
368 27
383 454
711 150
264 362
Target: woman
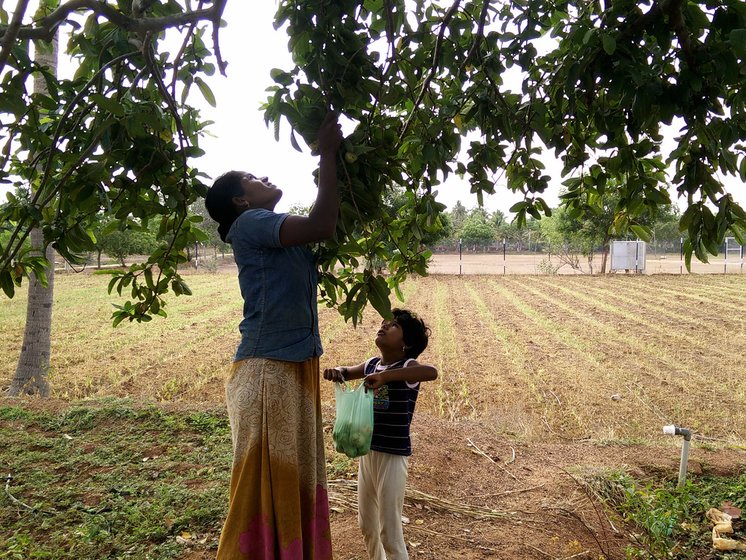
278 500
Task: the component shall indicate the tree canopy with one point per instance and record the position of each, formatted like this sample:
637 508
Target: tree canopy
426 84
115 138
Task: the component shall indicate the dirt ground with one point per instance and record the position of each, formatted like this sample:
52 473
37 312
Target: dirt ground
516 500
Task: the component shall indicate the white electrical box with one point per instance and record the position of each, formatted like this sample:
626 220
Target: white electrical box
628 256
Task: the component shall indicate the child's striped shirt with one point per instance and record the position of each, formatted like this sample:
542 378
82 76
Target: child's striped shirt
393 408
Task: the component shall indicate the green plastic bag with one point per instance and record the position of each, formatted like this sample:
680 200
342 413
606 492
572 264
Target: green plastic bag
353 428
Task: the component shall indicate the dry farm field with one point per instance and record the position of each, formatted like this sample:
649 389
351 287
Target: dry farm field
539 376
610 357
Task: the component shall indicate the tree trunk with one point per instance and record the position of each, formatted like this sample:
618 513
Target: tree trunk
605 255
32 371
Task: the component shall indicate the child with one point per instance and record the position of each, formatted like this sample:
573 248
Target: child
395 376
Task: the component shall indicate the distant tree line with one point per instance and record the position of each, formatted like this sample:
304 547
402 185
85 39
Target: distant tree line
570 238
573 239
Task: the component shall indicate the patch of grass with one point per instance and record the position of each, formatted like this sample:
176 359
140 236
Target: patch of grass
112 481
339 465
670 522
14 413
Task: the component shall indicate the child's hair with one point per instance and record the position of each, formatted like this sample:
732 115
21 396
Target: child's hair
414 331
219 200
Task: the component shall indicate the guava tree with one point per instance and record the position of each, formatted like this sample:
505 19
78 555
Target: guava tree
426 84
596 84
115 138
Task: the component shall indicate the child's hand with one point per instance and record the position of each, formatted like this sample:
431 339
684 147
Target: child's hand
334 374
374 381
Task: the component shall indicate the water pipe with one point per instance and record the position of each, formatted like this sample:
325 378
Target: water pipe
672 430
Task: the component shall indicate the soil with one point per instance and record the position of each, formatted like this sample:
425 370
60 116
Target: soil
546 511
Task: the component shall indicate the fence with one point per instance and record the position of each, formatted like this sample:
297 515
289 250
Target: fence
504 258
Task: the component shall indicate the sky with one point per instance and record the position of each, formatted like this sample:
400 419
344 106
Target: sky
241 140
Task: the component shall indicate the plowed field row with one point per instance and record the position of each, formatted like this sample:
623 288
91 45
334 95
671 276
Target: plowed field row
638 365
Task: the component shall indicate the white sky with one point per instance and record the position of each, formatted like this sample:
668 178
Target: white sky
242 141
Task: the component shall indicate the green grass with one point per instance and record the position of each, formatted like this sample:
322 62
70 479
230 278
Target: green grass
113 478
669 522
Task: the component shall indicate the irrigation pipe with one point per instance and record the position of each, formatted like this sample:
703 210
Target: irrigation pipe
673 430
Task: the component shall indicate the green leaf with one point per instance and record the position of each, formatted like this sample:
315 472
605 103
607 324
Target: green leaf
281 77
118 317
688 217
688 254
206 91
643 232
6 282
609 44
294 142
737 39
379 296
110 105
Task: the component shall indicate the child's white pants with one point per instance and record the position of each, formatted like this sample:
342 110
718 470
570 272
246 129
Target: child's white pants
382 478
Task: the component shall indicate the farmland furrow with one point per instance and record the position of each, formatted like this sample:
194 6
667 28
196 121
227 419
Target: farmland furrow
129 360
715 298
664 336
731 287
697 383
525 354
706 302
601 378
462 354
452 390
545 354
614 362
521 384
630 319
650 313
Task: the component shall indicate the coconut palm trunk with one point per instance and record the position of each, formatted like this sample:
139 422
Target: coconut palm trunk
32 371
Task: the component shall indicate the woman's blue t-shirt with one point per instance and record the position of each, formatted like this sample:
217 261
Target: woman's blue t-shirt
278 286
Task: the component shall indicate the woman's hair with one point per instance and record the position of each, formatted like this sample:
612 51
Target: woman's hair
414 332
219 200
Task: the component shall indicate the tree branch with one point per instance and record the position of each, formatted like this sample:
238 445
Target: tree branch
180 54
218 9
480 35
676 20
46 26
10 34
434 68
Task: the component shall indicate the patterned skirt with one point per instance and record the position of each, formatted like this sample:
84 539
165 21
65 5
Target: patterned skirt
278 508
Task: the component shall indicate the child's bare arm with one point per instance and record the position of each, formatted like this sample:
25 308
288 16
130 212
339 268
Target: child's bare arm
414 372
343 373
